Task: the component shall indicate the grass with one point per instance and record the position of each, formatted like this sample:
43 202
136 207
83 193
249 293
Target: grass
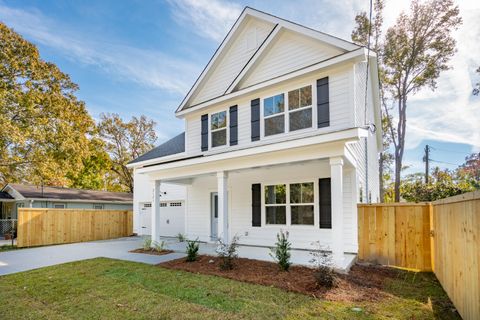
8 247
111 289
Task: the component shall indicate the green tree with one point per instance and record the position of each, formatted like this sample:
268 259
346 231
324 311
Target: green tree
470 170
44 128
125 141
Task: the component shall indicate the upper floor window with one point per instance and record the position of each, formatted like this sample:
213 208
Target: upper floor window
300 108
218 128
274 114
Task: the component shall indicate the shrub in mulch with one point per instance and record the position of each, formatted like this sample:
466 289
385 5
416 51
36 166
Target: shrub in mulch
152 251
361 284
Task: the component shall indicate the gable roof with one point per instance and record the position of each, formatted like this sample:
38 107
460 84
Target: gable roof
277 23
172 146
5 196
60 193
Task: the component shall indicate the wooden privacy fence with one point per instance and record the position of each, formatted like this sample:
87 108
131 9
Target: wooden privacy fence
442 236
37 227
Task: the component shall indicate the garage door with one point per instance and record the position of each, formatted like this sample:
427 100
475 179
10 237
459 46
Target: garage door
172 218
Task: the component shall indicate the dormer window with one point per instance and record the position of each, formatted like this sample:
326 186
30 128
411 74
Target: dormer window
274 114
218 128
300 108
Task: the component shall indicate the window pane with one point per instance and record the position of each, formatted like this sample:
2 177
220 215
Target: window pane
273 105
275 125
275 194
302 215
293 100
218 120
306 96
276 215
301 193
300 119
219 138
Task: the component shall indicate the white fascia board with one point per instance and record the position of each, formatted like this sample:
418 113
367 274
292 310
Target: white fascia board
345 135
214 58
156 160
260 52
331 40
14 193
352 55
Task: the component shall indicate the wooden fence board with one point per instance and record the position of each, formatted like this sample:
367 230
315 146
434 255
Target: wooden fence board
37 227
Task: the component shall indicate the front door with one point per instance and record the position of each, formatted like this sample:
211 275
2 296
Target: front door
145 218
214 215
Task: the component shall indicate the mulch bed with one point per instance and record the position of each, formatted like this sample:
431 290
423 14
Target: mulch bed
363 283
153 252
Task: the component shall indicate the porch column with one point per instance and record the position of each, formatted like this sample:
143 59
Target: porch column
156 212
336 172
222 185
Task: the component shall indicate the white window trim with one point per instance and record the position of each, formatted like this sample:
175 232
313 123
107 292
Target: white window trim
54 206
210 131
98 204
288 212
286 112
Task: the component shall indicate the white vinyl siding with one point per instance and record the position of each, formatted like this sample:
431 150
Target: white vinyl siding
291 51
233 60
240 207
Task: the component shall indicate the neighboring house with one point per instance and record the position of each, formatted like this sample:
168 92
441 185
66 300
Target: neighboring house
275 139
14 196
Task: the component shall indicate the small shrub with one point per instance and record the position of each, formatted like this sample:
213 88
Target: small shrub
281 252
181 237
322 259
227 253
159 246
192 250
147 243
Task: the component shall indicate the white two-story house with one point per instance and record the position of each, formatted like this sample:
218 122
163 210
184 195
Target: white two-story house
279 135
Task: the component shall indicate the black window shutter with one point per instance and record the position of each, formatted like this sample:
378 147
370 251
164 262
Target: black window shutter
323 103
205 132
256 205
255 119
233 125
325 205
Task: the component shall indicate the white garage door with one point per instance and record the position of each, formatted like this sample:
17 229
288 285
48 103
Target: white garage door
172 218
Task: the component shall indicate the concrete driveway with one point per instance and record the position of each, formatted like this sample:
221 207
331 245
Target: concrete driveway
33 258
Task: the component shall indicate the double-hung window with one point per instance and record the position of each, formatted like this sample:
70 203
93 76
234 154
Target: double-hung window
300 108
276 204
295 200
218 128
274 114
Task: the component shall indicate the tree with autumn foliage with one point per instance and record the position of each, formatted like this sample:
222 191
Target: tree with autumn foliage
412 55
45 129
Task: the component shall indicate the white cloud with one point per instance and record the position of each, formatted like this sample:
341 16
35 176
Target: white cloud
147 67
208 18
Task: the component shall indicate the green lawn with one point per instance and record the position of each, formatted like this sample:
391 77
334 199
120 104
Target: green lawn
8 247
111 289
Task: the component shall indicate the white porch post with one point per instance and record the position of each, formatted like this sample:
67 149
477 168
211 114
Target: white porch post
222 185
336 171
156 212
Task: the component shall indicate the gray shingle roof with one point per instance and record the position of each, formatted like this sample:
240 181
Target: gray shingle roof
5 195
172 146
34 192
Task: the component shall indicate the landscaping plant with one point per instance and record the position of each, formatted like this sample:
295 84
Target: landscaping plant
227 252
159 246
147 243
281 252
181 237
192 250
322 259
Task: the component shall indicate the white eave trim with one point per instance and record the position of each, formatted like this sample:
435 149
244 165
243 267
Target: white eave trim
352 134
172 157
359 53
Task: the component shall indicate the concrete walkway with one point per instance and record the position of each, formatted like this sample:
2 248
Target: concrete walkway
33 258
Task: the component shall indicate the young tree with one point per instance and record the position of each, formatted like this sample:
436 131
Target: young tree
44 128
125 141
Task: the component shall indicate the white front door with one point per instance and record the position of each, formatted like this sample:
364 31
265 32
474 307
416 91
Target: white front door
214 215
146 218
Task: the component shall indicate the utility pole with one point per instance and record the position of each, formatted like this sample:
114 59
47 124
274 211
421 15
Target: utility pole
426 159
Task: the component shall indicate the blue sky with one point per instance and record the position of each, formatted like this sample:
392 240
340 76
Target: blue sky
141 57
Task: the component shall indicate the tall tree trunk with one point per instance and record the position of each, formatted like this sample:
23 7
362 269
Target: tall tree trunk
400 145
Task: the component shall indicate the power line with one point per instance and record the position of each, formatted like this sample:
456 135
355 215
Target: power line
445 162
445 150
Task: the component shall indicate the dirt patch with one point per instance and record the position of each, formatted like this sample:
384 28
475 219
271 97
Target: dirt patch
153 252
363 283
